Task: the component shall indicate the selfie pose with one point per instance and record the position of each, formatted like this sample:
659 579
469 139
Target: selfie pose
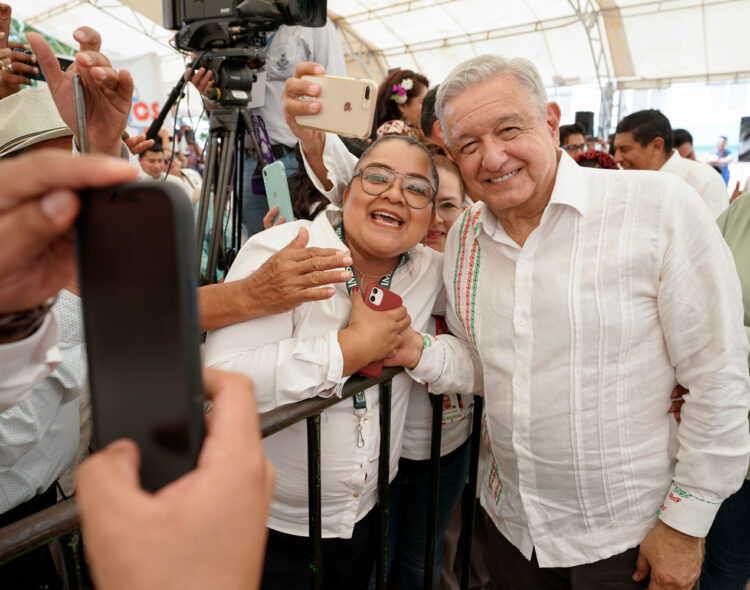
312 350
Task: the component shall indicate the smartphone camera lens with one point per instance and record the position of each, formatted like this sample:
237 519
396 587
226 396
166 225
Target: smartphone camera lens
367 93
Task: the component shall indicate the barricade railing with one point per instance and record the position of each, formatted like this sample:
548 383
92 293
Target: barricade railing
61 521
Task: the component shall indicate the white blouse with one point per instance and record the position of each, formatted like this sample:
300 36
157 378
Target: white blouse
296 355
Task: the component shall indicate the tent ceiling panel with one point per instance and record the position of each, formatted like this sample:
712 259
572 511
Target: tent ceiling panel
664 50
652 42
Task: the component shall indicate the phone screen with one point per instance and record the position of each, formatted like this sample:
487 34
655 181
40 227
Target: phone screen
139 304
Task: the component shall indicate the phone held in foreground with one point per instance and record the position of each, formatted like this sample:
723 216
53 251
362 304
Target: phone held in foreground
380 299
135 248
277 191
347 106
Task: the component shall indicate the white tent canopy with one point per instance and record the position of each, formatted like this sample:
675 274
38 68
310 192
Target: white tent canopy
633 42
578 45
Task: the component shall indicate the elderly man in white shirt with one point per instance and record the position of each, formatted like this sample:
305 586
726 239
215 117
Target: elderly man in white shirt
644 141
587 294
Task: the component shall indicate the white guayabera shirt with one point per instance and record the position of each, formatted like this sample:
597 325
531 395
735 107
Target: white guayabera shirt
624 289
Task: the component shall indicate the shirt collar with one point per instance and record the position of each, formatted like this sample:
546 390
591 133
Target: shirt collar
570 185
673 161
570 190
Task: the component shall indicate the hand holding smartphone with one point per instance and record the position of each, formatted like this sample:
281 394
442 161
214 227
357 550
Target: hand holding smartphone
380 299
277 191
347 106
135 247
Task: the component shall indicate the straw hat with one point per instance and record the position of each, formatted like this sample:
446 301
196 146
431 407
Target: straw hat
28 117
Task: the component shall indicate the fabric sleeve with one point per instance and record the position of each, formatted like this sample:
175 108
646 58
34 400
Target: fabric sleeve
340 163
25 363
448 363
700 308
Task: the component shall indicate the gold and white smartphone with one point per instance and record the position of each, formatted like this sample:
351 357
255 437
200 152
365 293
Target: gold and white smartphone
347 106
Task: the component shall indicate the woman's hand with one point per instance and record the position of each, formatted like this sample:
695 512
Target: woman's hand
409 353
371 335
268 218
311 141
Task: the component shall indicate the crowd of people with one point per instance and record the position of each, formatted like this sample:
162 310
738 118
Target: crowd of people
599 301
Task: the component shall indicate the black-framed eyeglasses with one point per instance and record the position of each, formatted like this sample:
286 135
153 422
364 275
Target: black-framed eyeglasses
418 192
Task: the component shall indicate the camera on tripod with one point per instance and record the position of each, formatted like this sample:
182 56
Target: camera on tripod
229 35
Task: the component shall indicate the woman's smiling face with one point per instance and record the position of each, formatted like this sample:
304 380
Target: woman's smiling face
385 226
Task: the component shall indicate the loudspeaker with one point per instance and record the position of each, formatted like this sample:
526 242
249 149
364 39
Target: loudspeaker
586 120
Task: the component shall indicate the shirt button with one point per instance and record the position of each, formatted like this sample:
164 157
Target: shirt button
520 322
356 495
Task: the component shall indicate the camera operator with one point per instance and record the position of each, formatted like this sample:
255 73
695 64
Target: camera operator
285 48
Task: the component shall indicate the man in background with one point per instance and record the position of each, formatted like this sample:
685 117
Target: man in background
721 158
573 139
643 141
683 143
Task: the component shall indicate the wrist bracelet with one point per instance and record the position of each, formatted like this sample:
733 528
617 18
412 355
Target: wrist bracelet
18 325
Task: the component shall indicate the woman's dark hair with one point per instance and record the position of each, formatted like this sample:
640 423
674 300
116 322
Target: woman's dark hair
386 109
433 175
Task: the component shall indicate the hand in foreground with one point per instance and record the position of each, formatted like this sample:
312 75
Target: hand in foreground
371 335
310 140
296 274
36 214
109 93
673 559
14 66
205 530
292 276
677 401
409 353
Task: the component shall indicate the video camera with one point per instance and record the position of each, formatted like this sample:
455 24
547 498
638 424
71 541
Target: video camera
229 36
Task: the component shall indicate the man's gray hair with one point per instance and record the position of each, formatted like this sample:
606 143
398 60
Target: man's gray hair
482 68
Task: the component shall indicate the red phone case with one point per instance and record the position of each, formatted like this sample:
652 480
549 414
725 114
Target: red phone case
380 299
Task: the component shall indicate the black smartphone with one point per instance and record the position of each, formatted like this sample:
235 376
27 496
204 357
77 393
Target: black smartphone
135 247
65 63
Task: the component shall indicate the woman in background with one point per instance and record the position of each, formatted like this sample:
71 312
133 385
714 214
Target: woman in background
399 103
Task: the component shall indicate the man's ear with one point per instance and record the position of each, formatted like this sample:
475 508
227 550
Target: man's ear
658 144
552 116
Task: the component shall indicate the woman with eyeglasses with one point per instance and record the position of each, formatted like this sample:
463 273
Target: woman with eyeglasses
387 209
328 163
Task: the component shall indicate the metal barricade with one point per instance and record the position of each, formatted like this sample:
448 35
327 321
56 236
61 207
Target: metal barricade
61 521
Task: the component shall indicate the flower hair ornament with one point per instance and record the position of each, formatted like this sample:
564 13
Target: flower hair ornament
399 90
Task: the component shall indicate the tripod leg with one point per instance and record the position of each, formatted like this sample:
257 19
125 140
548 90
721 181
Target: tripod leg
220 199
204 203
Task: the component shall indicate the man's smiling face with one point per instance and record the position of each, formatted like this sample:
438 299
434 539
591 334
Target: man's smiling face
505 148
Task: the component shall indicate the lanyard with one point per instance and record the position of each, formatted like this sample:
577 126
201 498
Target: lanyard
360 403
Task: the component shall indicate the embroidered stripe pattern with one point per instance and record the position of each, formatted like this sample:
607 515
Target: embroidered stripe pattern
677 495
466 275
494 483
